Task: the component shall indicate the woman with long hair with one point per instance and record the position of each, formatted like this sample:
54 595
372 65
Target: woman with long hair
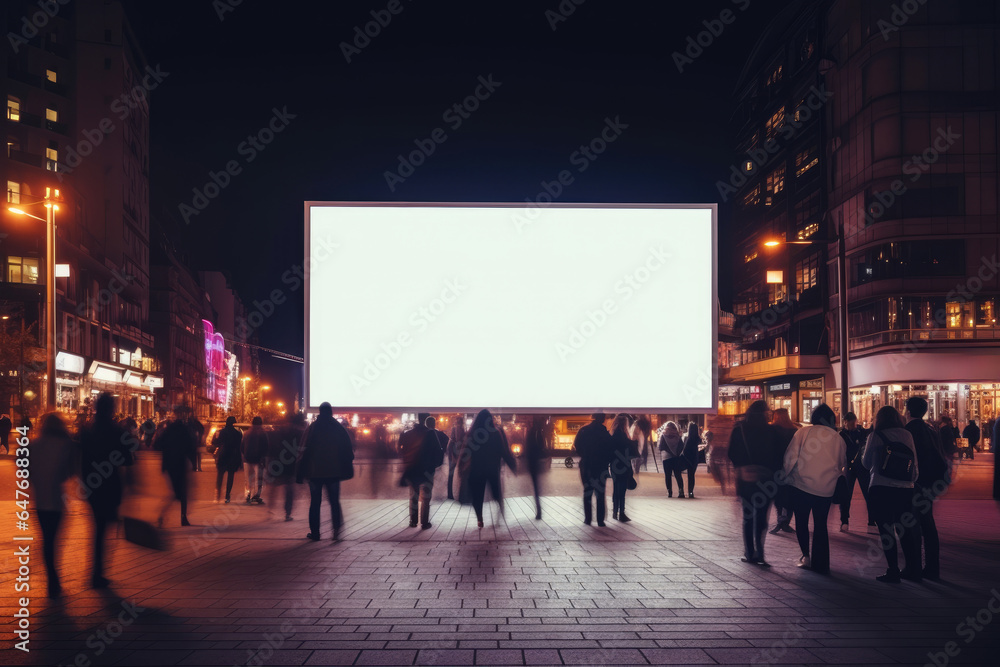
891 459
484 448
621 466
691 442
754 452
671 448
815 459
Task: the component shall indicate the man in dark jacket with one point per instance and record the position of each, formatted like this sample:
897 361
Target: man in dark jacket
6 426
179 446
104 451
932 481
282 454
973 434
198 431
327 458
422 455
254 451
596 448
854 437
228 458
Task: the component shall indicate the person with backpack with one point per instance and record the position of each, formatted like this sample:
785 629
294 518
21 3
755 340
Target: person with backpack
422 456
932 480
891 458
254 451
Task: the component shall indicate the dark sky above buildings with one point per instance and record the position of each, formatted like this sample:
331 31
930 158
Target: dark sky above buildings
231 66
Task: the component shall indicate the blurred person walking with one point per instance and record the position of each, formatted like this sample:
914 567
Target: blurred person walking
6 426
691 442
422 456
814 461
53 461
179 446
198 431
785 430
854 438
933 478
642 433
755 451
457 439
283 446
103 452
891 458
228 458
254 451
949 437
596 449
327 459
671 447
623 450
535 454
485 448
148 430
972 433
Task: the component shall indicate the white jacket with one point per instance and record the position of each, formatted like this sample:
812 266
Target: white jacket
815 459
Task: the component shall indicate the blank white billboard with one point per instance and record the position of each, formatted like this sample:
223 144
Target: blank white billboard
564 308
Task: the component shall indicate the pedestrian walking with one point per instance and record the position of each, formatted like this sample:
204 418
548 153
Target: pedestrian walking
596 449
228 458
815 459
755 451
972 433
254 452
622 476
671 447
891 459
283 444
642 433
198 431
147 430
457 439
535 454
785 430
485 448
103 452
6 426
933 478
179 446
327 459
53 461
854 440
422 456
691 442
949 437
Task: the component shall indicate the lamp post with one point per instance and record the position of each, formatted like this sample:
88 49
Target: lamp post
50 293
243 397
845 387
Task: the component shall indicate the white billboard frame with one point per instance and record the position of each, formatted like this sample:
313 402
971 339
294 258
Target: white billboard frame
713 361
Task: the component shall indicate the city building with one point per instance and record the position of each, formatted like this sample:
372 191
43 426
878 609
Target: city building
882 123
76 88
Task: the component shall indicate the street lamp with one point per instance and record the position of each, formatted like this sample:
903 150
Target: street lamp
50 292
845 390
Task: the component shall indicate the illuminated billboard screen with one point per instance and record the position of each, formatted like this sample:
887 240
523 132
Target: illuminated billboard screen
568 308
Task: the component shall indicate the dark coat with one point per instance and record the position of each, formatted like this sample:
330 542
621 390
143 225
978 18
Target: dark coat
327 452
254 446
484 449
932 464
855 441
104 449
596 448
691 449
534 448
757 445
622 449
179 445
422 454
283 445
228 456
973 434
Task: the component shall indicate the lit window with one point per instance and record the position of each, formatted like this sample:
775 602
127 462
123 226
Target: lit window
806 274
808 231
776 293
775 76
51 159
50 75
13 109
749 257
752 198
776 181
805 160
22 270
12 145
13 192
52 115
774 123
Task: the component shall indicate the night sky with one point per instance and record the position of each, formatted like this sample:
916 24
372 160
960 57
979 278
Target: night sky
352 120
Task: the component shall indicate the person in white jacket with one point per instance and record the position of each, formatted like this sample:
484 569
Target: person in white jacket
814 460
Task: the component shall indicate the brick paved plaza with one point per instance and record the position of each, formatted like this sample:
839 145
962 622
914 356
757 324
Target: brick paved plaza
242 586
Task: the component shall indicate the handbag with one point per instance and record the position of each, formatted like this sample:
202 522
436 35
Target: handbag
753 472
631 484
898 461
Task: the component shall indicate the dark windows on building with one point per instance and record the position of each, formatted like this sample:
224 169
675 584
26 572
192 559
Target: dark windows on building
806 160
909 259
806 216
774 124
752 198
